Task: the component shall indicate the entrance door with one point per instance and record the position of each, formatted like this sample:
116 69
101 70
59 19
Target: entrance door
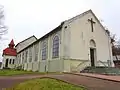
92 56
6 64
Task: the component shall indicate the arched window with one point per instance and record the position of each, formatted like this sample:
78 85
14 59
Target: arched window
92 43
44 50
55 49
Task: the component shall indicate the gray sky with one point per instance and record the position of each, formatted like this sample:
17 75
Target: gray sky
25 18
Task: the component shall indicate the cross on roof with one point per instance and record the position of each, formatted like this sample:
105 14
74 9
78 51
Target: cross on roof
92 22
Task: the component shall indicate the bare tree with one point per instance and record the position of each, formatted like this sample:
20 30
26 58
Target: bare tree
3 28
115 46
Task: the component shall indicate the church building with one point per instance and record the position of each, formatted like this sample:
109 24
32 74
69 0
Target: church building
75 44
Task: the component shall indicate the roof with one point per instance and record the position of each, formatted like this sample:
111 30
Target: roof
46 35
10 50
26 39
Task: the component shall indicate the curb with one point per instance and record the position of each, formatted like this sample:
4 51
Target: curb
93 77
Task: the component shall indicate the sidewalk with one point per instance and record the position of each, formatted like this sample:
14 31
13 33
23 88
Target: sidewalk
105 77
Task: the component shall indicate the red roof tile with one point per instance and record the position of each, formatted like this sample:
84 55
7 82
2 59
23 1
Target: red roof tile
10 50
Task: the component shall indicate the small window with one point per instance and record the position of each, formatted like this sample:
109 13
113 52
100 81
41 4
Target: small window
26 55
36 48
13 61
23 57
10 61
20 59
65 27
30 54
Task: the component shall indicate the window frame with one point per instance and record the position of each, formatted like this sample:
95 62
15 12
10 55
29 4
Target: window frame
55 46
30 54
26 55
36 50
44 50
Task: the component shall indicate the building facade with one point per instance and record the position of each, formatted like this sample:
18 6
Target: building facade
74 45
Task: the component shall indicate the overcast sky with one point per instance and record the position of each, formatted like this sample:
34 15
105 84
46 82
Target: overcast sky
25 18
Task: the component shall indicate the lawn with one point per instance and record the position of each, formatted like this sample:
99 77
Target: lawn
45 84
14 72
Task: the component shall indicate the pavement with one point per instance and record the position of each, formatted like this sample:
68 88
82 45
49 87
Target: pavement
100 76
90 82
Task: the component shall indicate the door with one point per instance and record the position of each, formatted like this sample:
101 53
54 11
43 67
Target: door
6 64
92 56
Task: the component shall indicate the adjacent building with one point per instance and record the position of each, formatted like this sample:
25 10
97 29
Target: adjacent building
9 56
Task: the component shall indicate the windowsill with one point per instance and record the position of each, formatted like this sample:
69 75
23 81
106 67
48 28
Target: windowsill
43 59
55 57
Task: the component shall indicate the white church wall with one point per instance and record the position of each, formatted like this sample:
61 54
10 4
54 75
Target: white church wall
29 66
30 58
42 66
36 55
25 66
35 66
66 41
81 35
66 66
78 45
75 65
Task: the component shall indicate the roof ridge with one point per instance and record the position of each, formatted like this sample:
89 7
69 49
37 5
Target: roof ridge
25 40
75 17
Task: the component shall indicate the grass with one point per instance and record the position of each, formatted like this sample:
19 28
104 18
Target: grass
15 72
22 72
45 84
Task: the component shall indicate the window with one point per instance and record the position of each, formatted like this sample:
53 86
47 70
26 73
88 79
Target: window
23 57
20 59
30 54
55 49
26 55
13 61
17 59
44 50
36 52
10 61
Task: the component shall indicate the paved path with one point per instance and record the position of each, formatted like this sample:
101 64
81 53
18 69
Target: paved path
107 77
89 82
